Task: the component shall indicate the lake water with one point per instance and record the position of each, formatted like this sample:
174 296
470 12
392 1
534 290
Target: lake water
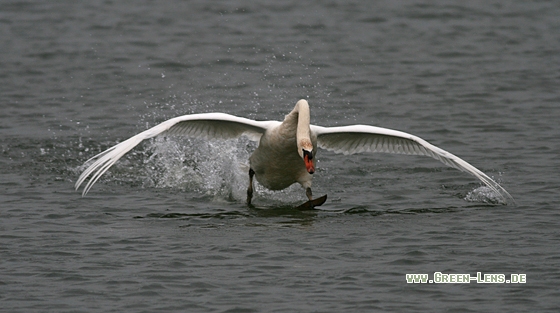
167 230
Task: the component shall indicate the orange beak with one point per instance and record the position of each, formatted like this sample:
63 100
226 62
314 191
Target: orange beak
309 164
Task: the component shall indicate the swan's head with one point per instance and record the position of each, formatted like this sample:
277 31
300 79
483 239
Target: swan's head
305 149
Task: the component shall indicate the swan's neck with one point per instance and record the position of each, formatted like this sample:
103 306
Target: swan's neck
302 130
304 119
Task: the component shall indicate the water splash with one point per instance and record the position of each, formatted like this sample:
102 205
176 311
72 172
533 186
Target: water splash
211 167
484 194
217 168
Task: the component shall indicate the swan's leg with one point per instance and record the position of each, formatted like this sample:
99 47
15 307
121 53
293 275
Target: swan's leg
309 193
250 189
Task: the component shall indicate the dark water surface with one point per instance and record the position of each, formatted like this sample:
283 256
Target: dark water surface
167 230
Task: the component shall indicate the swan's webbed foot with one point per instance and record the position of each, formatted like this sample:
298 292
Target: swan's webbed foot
311 204
250 189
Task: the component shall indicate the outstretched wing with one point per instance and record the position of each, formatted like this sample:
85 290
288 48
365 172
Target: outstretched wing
207 125
364 138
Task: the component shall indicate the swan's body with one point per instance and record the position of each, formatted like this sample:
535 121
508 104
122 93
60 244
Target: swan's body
286 151
276 162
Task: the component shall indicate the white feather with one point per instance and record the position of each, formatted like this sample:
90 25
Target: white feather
275 160
363 138
208 126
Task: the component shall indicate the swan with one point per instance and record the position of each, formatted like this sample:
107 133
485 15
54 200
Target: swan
286 153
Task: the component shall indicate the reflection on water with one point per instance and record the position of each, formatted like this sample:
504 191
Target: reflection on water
286 215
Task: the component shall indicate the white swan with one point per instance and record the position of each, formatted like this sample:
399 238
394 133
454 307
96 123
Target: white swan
286 151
